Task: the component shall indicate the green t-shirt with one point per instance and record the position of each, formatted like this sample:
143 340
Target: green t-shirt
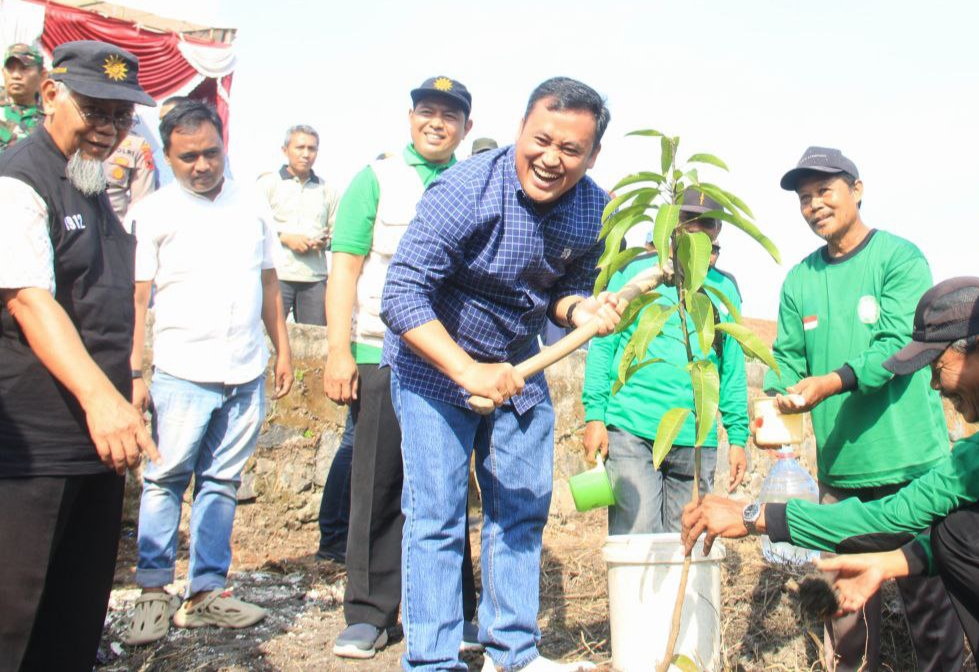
353 231
857 310
653 390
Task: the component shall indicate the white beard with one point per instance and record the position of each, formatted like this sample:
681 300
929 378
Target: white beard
86 175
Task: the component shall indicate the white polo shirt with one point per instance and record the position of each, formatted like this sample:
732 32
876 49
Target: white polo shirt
206 259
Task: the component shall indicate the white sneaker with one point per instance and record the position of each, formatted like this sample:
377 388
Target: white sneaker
542 664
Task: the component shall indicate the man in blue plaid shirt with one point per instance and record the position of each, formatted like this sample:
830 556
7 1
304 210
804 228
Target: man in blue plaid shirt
498 243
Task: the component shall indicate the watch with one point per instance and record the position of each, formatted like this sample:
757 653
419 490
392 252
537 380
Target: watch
136 373
750 515
568 315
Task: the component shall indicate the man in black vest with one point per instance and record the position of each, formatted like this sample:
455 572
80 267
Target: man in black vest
67 428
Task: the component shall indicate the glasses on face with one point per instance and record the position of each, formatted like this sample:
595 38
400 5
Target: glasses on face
715 249
96 118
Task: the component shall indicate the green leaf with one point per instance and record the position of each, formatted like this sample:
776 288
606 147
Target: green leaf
731 308
748 227
617 385
750 342
638 177
648 133
634 308
706 392
684 664
708 158
628 355
617 202
650 324
667 153
692 176
729 200
666 220
738 202
613 242
618 262
693 253
669 428
701 311
625 213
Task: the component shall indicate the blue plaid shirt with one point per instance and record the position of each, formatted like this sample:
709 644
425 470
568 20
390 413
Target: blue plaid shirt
481 260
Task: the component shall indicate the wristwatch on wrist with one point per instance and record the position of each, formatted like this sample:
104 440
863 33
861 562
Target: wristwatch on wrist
568 315
136 373
750 515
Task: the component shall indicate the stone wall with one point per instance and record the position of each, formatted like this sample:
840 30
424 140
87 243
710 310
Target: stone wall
302 434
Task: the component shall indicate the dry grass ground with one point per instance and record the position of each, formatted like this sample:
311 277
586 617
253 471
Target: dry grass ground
762 627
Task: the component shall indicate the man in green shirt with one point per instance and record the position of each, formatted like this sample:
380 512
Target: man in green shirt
623 426
372 216
844 310
23 70
946 335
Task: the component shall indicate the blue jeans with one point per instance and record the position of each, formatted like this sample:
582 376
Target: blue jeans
335 504
514 465
648 501
208 431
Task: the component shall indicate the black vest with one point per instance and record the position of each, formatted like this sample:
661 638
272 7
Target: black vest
43 431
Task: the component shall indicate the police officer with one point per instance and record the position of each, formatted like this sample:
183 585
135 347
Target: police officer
130 173
23 69
67 428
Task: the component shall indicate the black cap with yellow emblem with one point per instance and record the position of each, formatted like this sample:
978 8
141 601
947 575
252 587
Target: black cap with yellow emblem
444 87
99 70
698 202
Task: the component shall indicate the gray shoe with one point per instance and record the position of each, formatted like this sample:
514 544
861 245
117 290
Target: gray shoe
360 640
470 638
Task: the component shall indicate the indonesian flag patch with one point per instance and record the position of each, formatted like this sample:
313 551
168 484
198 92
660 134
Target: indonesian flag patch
810 322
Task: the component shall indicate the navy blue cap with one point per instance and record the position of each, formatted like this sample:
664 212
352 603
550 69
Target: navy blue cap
819 160
444 87
99 70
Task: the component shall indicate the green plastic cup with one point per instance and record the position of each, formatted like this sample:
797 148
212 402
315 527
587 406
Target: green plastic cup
592 489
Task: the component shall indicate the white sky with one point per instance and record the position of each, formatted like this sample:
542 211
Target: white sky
892 83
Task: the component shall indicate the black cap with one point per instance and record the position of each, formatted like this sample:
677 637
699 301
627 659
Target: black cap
819 160
99 70
946 313
444 87
698 202
481 145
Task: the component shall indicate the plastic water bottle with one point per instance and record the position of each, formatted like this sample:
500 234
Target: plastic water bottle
787 480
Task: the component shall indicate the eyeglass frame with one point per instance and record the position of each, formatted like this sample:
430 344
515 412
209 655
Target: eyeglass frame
97 119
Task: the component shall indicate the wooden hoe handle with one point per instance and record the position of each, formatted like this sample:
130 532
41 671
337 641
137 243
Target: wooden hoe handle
642 283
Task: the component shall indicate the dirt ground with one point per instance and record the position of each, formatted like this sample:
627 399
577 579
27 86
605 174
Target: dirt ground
274 567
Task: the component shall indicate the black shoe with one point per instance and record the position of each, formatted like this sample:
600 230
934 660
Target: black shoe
333 555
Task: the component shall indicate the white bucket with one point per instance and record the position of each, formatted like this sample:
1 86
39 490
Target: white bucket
643 578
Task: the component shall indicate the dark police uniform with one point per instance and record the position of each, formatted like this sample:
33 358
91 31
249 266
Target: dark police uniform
60 507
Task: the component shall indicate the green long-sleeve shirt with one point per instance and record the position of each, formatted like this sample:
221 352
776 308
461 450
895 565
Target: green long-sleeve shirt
653 390
857 311
853 526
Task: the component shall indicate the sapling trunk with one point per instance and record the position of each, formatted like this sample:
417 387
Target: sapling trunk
631 209
664 664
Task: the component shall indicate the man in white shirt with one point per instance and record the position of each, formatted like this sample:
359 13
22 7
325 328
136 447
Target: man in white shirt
208 247
303 207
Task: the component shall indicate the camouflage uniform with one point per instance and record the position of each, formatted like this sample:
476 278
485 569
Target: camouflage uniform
130 173
17 122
